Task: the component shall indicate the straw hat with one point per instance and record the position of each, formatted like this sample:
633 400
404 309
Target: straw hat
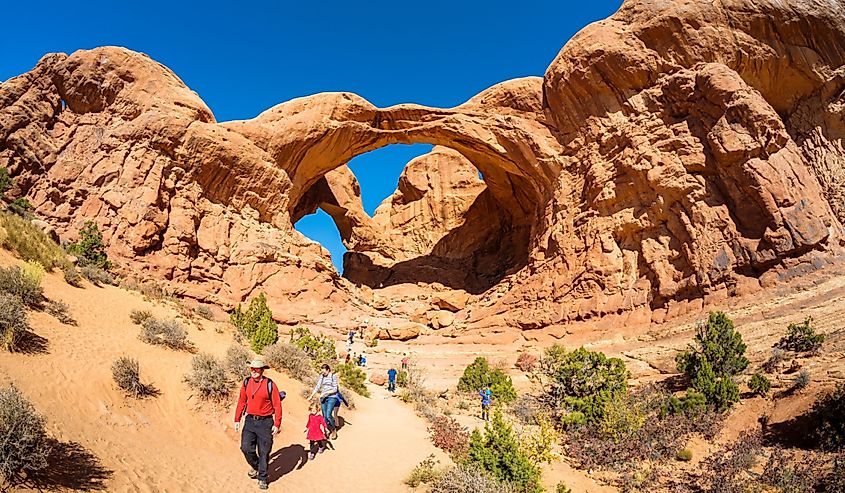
257 363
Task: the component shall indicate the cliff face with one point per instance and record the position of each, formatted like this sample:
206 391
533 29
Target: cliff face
674 152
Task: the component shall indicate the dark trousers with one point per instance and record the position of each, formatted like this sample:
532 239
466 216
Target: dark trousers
315 445
257 432
391 385
485 412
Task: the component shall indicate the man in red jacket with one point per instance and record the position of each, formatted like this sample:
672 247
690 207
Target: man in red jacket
261 403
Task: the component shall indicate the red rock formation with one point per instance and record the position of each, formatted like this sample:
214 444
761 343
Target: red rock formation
671 153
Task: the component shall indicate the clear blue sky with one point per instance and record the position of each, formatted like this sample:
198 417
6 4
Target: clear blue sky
244 57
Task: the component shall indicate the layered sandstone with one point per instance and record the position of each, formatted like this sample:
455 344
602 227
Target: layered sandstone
676 152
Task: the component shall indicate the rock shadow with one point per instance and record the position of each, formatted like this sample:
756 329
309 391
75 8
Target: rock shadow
798 432
32 343
285 460
71 466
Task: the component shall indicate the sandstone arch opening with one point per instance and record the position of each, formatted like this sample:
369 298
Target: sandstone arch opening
441 223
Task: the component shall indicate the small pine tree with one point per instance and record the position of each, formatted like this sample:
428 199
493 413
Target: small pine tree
266 333
801 337
478 374
90 249
498 452
247 321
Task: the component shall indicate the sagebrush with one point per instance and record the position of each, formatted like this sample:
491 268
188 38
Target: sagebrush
13 321
208 377
168 333
24 445
126 373
293 360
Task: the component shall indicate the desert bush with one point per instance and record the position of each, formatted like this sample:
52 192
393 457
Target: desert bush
90 250
266 333
469 478
284 356
684 455
828 415
426 409
24 445
208 377
717 355
447 435
21 207
247 321
372 342
802 380
801 337
30 242
72 276
205 312
168 333
786 472
498 452
425 472
621 417
527 409
526 362
692 404
727 470
236 361
834 480
97 275
562 488
579 383
140 316
353 377
537 441
6 181
319 348
33 272
27 287
759 384
13 321
402 378
59 310
478 374
773 363
126 373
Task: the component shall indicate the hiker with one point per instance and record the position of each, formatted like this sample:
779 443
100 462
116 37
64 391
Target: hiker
405 361
341 400
348 358
327 387
261 403
486 394
391 379
316 431
363 359
351 336
358 360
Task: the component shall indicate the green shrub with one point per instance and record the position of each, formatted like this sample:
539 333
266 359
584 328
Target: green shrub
801 337
6 181
24 445
402 378
126 373
208 377
90 250
579 383
425 472
237 359
692 404
478 374
266 333
284 356
759 384
468 478
621 417
320 349
684 455
20 206
717 355
13 323
353 377
30 243
829 416
140 316
72 276
168 333
802 380
27 287
498 452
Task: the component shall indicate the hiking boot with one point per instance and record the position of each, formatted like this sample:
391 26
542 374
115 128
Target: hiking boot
252 474
262 485
322 449
334 434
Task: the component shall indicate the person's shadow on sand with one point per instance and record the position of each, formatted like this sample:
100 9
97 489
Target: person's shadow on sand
285 460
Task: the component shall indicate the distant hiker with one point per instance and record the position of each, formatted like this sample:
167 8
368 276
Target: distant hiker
358 360
316 431
328 388
405 361
391 380
348 358
363 360
260 401
486 395
351 336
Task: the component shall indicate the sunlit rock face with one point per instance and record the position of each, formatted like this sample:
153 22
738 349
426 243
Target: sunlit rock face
670 154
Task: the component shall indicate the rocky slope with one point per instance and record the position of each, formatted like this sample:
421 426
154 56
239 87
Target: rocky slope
674 154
